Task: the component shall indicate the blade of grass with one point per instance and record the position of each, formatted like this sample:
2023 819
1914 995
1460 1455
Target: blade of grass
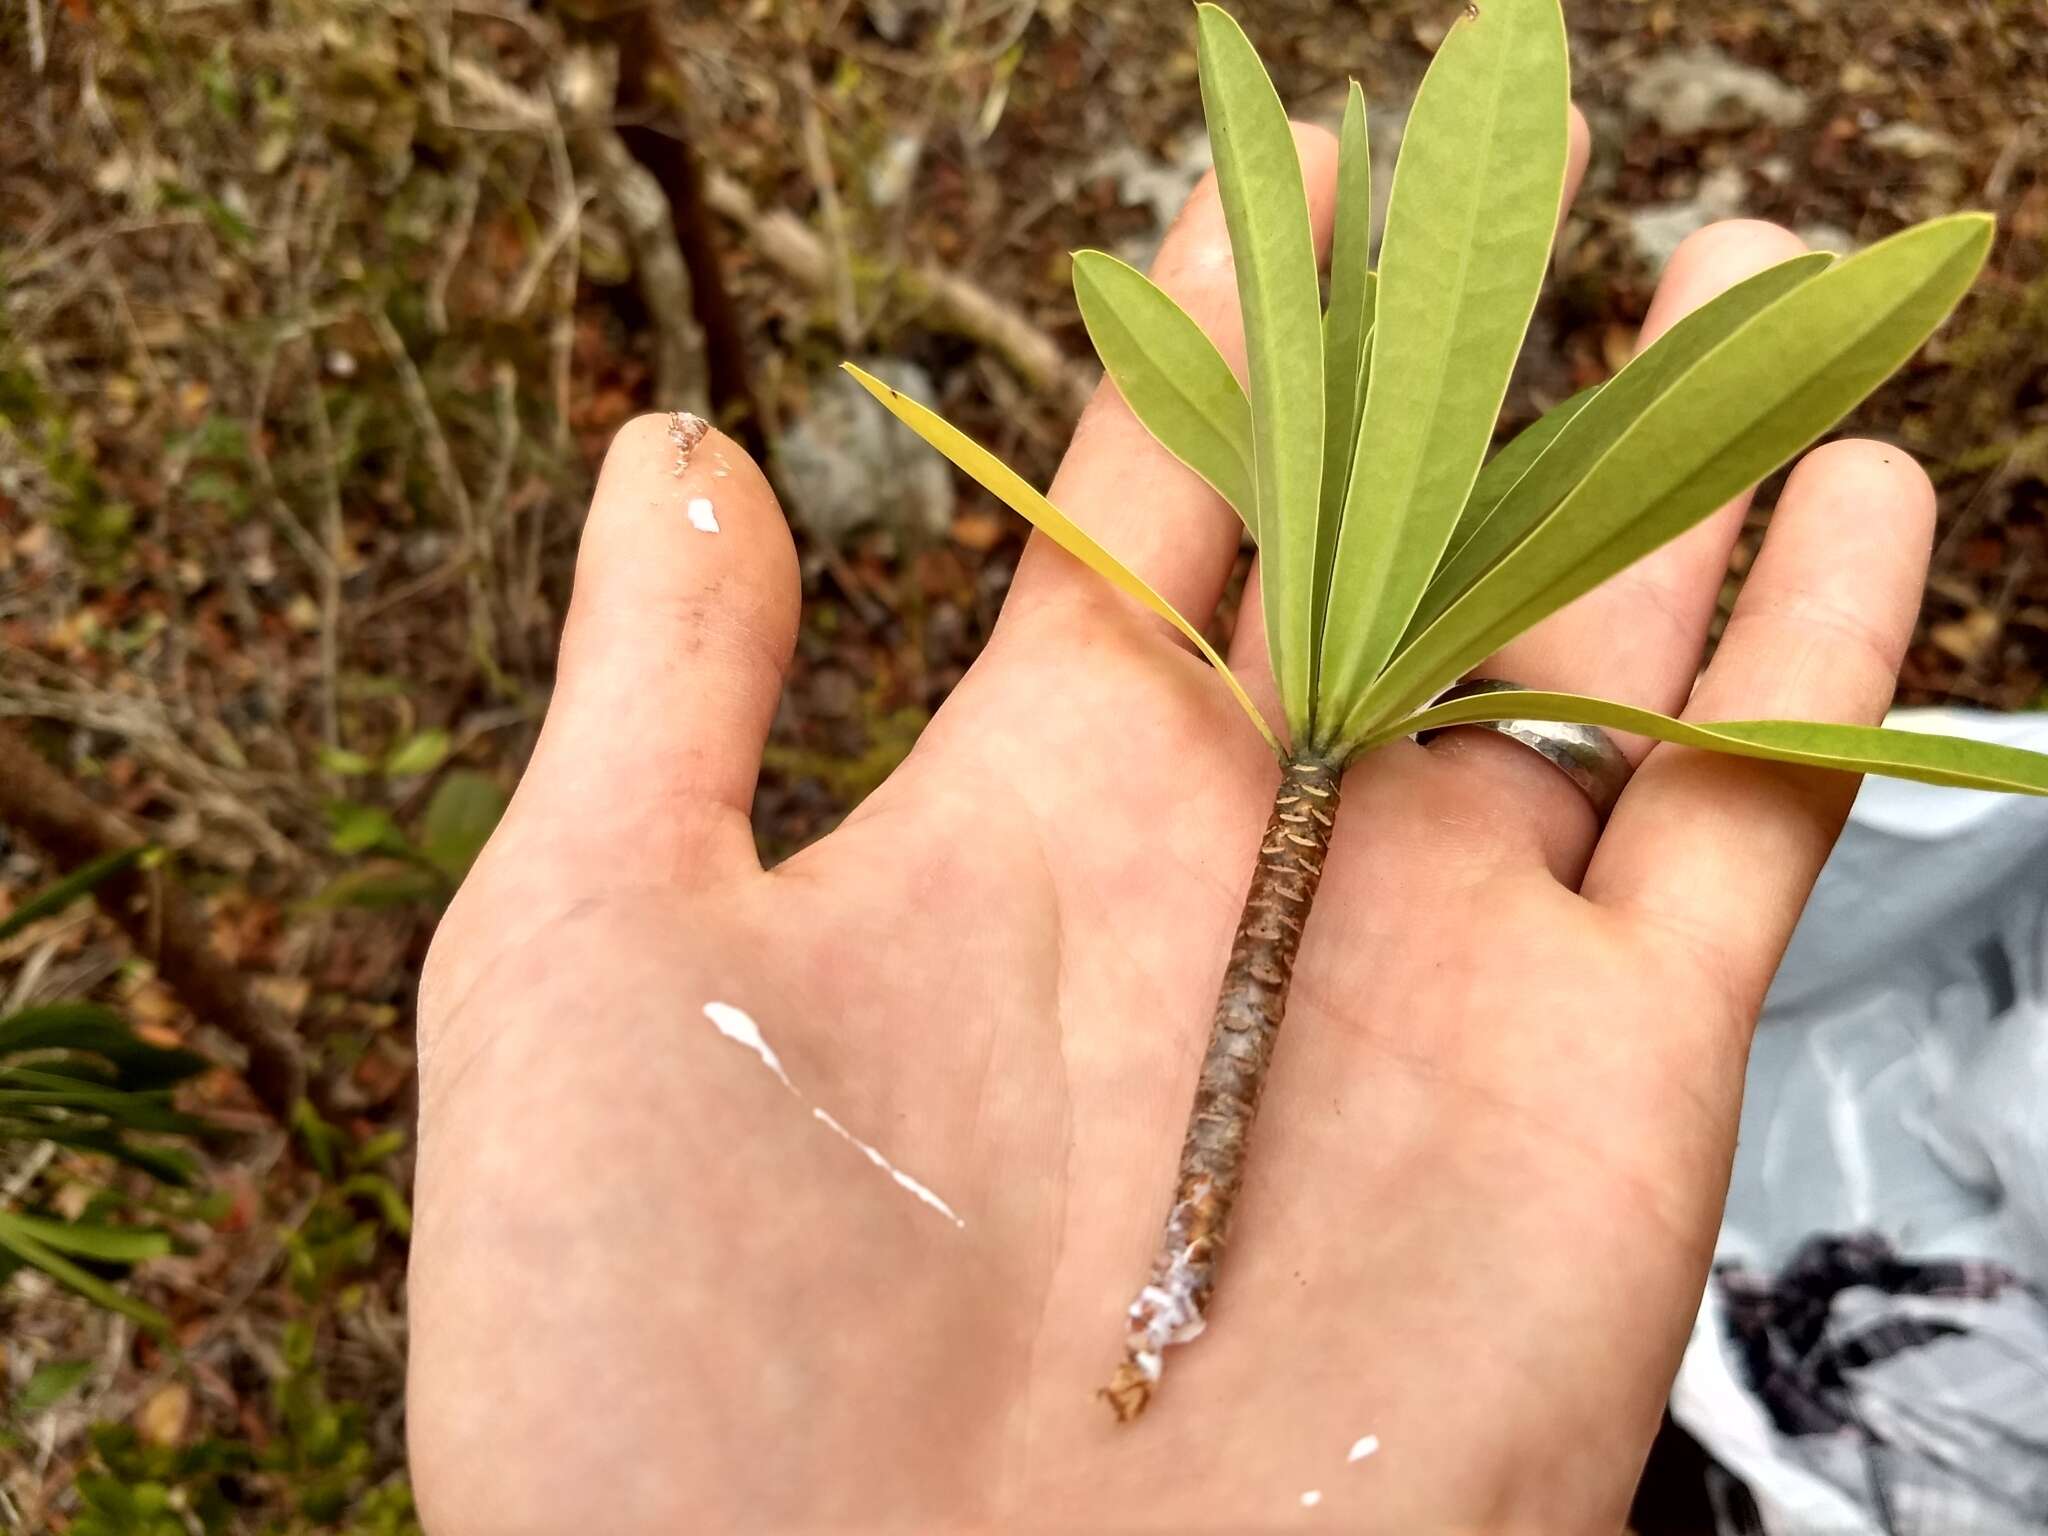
1952 761
1170 375
1010 488
1754 403
91 1240
26 1246
1265 205
1477 194
59 894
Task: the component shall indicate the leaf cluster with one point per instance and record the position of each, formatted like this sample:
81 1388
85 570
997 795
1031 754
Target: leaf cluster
1394 555
75 1075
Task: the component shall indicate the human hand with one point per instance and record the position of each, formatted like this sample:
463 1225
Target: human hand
654 1291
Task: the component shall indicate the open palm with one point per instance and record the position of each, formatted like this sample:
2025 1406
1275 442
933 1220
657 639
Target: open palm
656 1289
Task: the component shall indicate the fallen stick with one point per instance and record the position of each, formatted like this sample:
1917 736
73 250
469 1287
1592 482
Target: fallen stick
159 918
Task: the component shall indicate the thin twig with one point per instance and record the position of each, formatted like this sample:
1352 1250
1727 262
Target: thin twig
482 627
818 158
332 535
226 795
38 48
469 183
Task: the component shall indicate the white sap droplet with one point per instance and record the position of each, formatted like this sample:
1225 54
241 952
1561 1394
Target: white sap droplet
702 517
737 1026
1312 1498
1363 1447
903 1179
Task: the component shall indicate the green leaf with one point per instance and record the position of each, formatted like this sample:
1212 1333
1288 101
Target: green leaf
1754 403
381 884
1347 335
1010 488
167 1165
422 752
59 894
1477 194
1589 432
1951 761
25 1091
99 1032
459 820
1504 471
383 1194
50 1385
23 1243
1170 374
1258 178
356 828
343 761
1349 321
88 1240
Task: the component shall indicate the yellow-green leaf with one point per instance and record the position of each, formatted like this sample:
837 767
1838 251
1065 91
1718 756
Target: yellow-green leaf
1589 432
1170 375
1504 471
1265 205
1952 761
1347 335
1010 488
1752 404
1477 194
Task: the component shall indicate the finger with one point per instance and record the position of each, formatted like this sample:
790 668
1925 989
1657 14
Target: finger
1720 853
1135 498
679 631
1247 651
1637 638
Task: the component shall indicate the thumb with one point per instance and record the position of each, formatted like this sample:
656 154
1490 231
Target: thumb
679 632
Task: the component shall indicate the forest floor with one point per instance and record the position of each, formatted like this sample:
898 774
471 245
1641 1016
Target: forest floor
306 366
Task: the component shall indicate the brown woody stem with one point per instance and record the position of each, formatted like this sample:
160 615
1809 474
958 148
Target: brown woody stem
156 914
1172 1308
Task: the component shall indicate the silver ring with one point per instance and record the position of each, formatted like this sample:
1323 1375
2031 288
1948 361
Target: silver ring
1585 754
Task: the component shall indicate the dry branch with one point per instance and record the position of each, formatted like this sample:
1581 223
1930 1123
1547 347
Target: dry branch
681 380
950 301
785 242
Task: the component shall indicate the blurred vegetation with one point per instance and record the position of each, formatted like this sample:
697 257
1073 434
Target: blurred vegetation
314 321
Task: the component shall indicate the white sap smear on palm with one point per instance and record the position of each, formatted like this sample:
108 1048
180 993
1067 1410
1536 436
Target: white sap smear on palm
1312 1498
703 517
1363 1447
881 1162
739 1027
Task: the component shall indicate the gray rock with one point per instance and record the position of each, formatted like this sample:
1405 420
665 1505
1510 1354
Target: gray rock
1820 235
1698 90
1658 231
847 464
1160 186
